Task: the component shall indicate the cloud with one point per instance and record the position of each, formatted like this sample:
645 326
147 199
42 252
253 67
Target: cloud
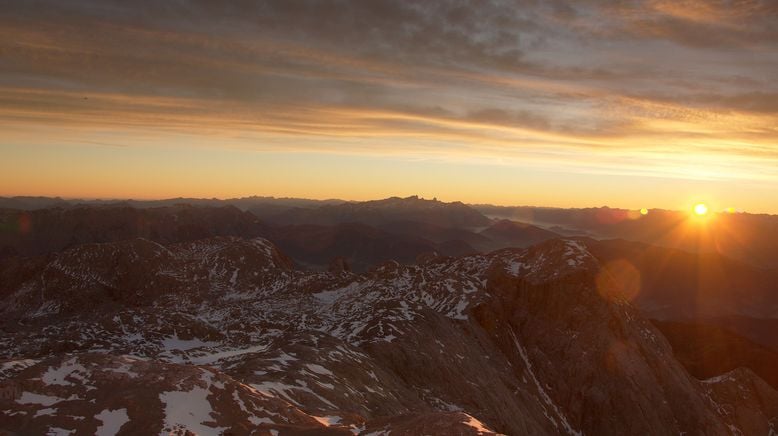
708 24
555 79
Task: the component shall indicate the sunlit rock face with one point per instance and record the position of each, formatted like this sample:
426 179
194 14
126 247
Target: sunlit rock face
223 335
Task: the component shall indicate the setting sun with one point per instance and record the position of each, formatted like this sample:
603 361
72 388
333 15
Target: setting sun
700 209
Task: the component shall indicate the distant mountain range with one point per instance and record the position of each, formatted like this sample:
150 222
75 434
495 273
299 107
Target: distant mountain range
244 203
365 234
751 238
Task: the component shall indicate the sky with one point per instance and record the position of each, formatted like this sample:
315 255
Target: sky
641 103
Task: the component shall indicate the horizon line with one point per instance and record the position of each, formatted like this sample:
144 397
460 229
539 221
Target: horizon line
335 199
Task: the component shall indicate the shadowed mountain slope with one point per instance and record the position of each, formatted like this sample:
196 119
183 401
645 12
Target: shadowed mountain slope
506 233
707 351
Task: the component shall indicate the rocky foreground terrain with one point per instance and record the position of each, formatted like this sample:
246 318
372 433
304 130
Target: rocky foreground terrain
224 336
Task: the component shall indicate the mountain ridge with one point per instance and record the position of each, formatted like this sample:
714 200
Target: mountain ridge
528 323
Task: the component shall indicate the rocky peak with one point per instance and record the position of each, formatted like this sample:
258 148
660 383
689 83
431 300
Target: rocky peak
518 341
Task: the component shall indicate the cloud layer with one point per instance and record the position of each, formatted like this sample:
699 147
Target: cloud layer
655 87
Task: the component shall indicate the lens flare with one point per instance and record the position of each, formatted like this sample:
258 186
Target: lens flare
618 280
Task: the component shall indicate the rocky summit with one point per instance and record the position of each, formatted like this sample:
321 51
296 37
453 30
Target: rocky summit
225 336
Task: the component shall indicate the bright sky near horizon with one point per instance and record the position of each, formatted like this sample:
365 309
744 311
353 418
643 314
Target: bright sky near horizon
643 103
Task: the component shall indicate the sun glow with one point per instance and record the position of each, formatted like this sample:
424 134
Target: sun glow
700 209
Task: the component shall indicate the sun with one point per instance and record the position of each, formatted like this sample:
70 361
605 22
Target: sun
700 209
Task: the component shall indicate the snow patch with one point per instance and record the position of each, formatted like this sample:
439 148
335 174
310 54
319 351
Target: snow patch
112 420
57 376
15 365
43 400
188 410
514 267
208 359
318 369
329 297
458 312
45 412
175 343
575 253
719 378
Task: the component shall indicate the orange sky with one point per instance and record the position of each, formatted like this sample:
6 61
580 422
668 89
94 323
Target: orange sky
651 104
